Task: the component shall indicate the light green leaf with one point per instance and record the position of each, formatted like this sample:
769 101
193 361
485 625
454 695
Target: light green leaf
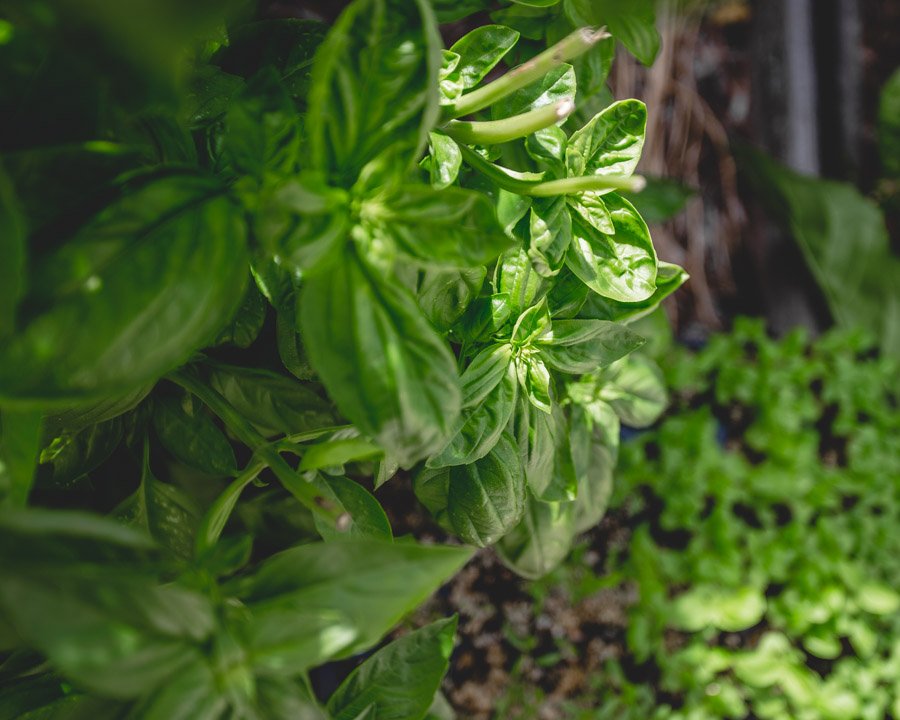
541 541
582 346
367 519
636 391
610 143
480 50
550 229
446 160
516 276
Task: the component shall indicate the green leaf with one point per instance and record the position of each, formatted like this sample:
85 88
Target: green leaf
374 84
399 681
263 129
531 325
450 85
244 327
367 519
661 199
731 610
550 228
622 266
209 94
889 126
480 50
637 392
539 543
19 446
556 85
633 23
274 403
590 206
380 360
341 447
76 453
485 498
582 346
454 226
534 380
153 276
446 160
483 318
291 351
877 598
610 143
668 279
280 698
546 456
489 390
12 255
165 512
444 295
191 693
186 431
594 438
516 276
549 146
370 582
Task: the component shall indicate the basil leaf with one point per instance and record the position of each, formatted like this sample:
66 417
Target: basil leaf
453 226
19 446
340 447
446 160
483 318
372 583
534 380
380 359
281 698
632 23
480 50
244 327
637 392
277 282
549 146
558 84
76 453
262 128
367 517
531 324
610 143
274 403
186 431
489 397
516 276
582 346
511 208
399 681
594 437
567 296
590 206
550 228
12 255
374 84
291 350
176 244
444 295
538 544
661 199
210 92
546 455
449 82
668 279
485 498
621 266
162 510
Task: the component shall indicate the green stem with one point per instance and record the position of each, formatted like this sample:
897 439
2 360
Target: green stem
215 518
566 186
262 448
566 49
500 131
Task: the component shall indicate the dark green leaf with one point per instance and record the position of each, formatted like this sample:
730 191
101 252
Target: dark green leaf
190 694
367 519
370 582
611 142
186 431
244 327
19 446
77 417
582 346
550 235
889 126
546 456
380 360
153 276
480 50
280 698
539 543
75 453
633 23
621 266
290 349
374 85
444 295
489 396
484 317
274 403
485 498
209 95
661 200
400 680
516 276
453 226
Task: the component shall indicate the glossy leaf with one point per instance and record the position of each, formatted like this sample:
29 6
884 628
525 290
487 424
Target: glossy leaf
186 431
551 234
374 84
274 403
668 279
483 318
367 519
516 276
399 681
485 498
371 582
592 209
480 50
556 85
549 146
632 23
444 295
244 327
534 381
621 266
637 392
582 346
175 243
19 447
446 160
76 453
380 360
610 143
